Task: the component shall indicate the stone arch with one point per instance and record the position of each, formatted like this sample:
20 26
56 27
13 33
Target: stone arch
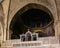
30 6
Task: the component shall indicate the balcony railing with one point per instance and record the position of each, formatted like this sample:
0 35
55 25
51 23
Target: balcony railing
45 42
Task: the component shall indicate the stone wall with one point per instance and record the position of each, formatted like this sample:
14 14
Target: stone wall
5 5
58 12
1 22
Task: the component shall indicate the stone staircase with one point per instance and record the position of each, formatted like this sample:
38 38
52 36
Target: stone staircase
46 42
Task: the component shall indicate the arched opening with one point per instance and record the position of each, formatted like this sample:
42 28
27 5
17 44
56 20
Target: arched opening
34 19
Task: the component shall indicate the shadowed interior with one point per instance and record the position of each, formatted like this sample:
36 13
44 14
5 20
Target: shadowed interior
32 18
